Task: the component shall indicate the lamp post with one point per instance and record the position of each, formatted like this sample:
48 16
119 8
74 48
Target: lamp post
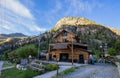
57 68
101 56
72 53
105 49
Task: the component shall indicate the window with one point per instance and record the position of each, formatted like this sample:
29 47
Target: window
65 40
64 34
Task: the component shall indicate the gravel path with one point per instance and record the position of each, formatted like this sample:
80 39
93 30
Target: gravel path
95 71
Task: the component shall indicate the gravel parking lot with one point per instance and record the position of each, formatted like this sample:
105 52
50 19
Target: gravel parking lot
95 71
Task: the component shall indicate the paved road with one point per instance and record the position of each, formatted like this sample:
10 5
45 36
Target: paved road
95 71
1 63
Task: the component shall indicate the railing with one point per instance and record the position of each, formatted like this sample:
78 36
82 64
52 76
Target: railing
37 65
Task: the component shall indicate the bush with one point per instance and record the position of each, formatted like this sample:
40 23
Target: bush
117 45
50 67
118 60
111 51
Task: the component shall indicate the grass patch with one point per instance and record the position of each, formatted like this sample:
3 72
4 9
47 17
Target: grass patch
87 77
65 72
8 64
94 72
82 66
15 73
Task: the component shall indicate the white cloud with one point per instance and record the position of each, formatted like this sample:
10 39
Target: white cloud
17 7
75 7
15 17
36 28
6 27
67 8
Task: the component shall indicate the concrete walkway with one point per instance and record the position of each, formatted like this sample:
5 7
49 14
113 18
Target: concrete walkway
3 68
8 67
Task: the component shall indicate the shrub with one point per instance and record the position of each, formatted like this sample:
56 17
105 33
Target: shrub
118 60
50 67
117 45
111 51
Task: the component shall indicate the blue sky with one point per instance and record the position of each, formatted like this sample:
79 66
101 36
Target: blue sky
34 16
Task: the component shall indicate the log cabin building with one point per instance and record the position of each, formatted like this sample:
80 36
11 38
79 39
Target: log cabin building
67 48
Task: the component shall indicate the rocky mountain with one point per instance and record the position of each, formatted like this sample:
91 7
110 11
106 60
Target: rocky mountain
80 21
13 35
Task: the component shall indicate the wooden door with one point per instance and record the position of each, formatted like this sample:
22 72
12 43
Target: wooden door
81 58
64 57
50 56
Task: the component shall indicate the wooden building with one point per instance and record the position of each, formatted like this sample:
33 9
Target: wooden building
67 48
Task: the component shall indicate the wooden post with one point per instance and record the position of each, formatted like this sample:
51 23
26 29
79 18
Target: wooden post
48 52
39 40
72 53
49 47
38 48
57 69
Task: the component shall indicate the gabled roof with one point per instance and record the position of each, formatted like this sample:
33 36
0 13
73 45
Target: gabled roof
63 31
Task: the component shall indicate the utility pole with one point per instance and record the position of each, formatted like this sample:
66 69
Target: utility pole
49 46
72 53
39 46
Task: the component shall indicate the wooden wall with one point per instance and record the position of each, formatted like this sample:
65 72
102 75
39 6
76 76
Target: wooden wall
69 37
76 54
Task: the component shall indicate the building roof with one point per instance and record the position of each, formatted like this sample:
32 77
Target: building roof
63 31
60 46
